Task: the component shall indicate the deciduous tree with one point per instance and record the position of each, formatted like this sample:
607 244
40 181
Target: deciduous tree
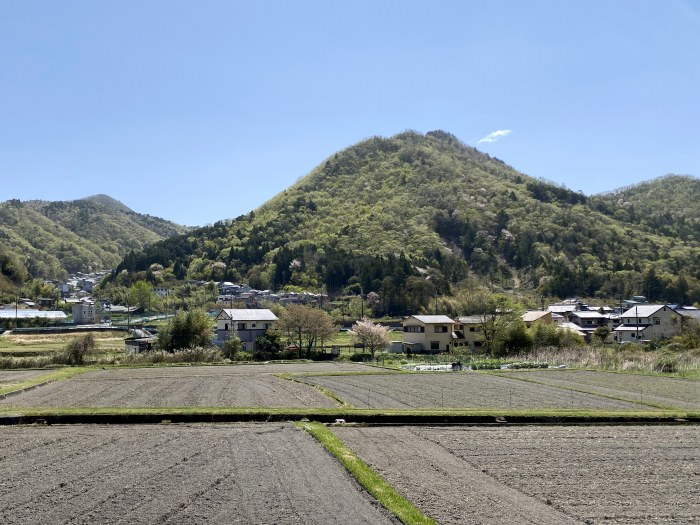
371 335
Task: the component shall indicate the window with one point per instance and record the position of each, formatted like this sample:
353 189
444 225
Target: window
440 329
253 325
435 345
241 326
657 320
472 329
414 329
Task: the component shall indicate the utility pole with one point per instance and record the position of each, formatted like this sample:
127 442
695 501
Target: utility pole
362 304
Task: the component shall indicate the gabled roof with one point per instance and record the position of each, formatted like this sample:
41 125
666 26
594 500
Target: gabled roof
247 314
644 310
471 319
588 314
631 328
533 315
432 319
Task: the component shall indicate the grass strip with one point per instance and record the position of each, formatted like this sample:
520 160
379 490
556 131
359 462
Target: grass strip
351 415
53 375
372 482
583 390
323 390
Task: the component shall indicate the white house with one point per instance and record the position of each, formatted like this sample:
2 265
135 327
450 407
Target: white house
646 322
246 323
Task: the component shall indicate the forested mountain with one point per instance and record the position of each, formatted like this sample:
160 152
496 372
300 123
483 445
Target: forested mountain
50 239
414 215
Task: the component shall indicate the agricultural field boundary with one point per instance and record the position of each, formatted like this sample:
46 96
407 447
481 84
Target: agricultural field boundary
44 379
368 478
582 390
14 415
323 390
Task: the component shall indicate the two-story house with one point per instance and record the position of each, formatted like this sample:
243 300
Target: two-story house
646 322
246 323
427 333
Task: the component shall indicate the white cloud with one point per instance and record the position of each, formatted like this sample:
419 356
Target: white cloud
496 135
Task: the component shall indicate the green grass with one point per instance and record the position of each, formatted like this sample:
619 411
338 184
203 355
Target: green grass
54 375
349 414
368 478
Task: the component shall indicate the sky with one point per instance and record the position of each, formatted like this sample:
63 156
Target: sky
202 111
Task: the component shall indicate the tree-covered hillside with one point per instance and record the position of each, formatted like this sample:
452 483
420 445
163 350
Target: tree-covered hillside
50 239
414 215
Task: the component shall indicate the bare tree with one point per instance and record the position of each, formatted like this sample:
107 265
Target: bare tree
372 335
306 326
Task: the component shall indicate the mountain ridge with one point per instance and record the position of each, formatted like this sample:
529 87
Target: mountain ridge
437 213
50 239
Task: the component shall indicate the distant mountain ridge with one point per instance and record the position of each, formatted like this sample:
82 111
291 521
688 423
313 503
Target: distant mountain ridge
108 202
415 215
49 239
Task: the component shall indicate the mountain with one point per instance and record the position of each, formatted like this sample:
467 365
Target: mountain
414 215
51 239
108 202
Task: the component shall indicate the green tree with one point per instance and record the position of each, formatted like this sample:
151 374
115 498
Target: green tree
140 294
190 329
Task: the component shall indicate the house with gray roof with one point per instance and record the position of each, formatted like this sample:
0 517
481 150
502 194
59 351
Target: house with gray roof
647 322
245 323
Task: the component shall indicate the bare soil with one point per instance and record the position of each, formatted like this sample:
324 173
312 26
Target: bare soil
195 474
670 391
460 390
202 386
542 475
11 377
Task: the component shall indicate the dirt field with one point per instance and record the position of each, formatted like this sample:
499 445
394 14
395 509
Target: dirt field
543 475
679 393
11 377
204 386
459 390
262 474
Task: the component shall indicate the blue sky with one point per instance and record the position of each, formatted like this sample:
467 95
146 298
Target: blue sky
201 111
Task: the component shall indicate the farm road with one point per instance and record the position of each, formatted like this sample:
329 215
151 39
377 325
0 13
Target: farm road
194 474
557 475
669 391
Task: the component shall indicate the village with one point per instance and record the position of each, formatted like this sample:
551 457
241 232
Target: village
240 309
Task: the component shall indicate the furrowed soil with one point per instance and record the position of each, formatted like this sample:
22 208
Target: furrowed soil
11 377
670 391
195 386
194 474
539 475
459 390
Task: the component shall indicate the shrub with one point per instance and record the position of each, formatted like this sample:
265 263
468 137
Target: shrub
75 352
666 363
360 357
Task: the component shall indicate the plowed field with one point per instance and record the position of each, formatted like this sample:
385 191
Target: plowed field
543 475
459 390
12 377
261 474
678 393
204 386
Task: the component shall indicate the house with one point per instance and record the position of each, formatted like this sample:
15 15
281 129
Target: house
246 323
427 333
85 313
646 322
468 331
140 341
537 316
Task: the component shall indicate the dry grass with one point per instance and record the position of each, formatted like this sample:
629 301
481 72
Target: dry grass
617 358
